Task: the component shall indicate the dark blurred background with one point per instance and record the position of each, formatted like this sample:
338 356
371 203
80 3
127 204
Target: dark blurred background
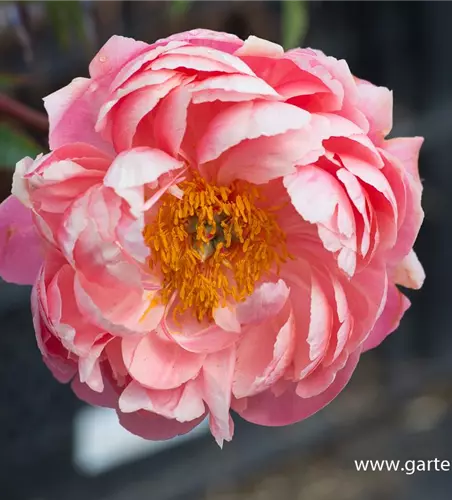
52 447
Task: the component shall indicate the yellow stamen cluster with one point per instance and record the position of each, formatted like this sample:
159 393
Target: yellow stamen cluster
213 244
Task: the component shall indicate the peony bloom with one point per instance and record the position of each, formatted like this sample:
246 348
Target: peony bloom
219 225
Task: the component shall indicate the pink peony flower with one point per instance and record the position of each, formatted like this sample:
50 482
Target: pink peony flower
219 225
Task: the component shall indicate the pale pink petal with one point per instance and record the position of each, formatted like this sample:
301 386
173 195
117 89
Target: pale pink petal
288 408
396 305
254 46
217 373
226 318
159 363
21 254
409 272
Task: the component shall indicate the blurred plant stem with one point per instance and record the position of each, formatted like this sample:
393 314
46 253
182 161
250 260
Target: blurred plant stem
294 22
22 113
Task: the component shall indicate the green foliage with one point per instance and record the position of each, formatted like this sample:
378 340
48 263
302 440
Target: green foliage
178 8
14 145
295 22
9 80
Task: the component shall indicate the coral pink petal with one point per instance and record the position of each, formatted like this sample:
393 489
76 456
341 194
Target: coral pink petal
20 247
107 398
155 427
218 372
288 408
159 363
396 305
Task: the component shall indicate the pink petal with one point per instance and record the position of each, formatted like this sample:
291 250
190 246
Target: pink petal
264 304
376 103
72 114
196 338
114 54
406 149
132 169
132 108
234 88
20 246
248 120
200 59
159 363
320 199
396 305
206 38
313 323
321 378
263 356
183 403
288 408
218 371
122 310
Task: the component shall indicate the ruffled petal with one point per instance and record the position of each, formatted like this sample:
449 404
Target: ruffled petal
288 408
21 255
159 363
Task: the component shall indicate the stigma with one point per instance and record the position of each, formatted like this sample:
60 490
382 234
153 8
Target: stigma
213 244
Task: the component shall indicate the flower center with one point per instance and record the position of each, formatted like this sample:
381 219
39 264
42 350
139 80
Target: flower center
213 244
